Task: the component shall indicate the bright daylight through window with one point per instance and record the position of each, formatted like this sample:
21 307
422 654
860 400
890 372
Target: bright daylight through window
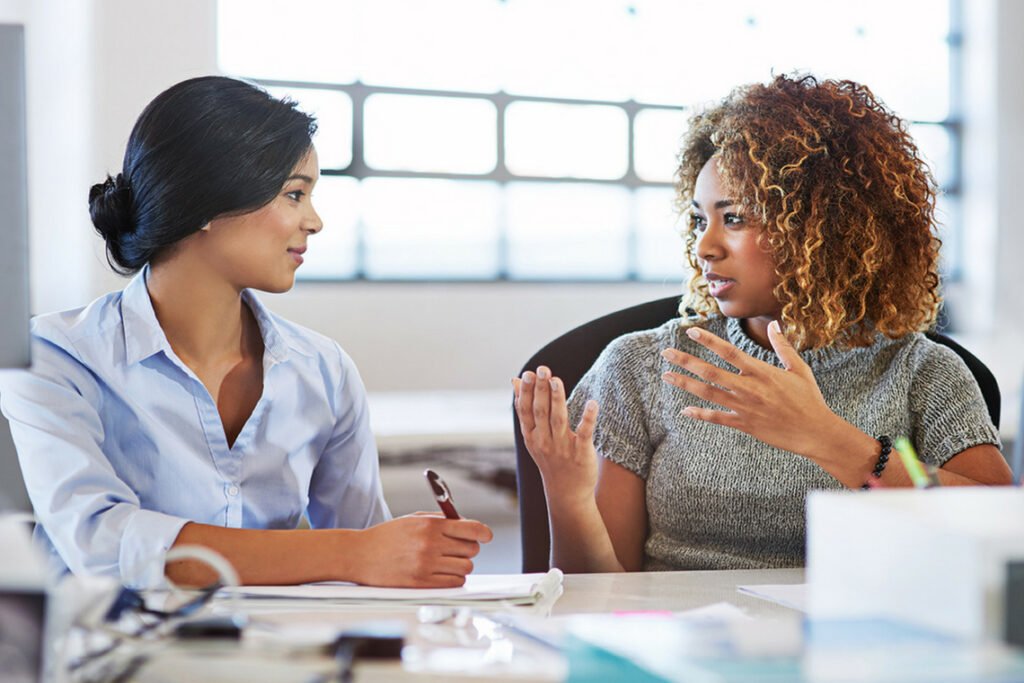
536 139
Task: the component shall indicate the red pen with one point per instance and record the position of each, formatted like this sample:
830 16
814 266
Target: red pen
442 494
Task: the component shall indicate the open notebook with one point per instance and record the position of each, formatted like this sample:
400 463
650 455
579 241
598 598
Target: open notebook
479 590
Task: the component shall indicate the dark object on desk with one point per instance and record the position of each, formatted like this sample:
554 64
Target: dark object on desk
217 626
1014 604
372 640
572 354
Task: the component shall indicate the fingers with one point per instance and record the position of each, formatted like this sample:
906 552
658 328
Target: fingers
709 393
588 421
468 530
711 374
723 349
524 404
542 400
718 417
789 356
559 411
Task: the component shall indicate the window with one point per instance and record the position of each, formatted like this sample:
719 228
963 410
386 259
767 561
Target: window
536 140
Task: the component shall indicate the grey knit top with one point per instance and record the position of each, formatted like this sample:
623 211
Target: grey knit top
720 499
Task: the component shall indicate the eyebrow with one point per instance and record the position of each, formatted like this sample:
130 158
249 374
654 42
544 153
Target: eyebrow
305 178
720 204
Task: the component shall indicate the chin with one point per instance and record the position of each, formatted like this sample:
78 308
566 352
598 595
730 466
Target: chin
276 286
733 310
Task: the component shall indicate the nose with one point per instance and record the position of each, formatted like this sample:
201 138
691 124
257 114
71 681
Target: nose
709 243
312 222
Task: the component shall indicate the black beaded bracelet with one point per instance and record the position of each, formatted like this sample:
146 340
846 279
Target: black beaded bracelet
883 459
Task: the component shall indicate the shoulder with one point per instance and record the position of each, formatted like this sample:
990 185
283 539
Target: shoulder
922 354
636 354
643 342
77 327
79 341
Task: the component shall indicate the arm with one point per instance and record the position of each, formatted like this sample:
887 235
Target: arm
92 517
785 408
590 532
421 551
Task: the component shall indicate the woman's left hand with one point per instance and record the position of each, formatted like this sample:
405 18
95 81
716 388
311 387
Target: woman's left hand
782 407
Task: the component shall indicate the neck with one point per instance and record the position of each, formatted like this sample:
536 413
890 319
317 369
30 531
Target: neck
757 329
201 314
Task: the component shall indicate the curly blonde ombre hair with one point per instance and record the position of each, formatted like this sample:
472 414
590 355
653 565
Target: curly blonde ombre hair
846 202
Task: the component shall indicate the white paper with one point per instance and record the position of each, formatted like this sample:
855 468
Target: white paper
520 589
792 595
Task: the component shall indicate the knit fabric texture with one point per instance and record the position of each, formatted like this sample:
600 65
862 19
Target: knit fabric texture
718 498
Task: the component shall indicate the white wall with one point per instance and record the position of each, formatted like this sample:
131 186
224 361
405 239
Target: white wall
95 63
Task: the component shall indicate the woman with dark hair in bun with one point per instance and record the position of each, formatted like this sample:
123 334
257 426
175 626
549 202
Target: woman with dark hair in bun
180 410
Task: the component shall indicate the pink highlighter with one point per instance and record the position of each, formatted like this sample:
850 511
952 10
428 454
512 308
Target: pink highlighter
442 494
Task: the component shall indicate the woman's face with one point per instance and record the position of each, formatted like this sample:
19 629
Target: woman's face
730 250
264 248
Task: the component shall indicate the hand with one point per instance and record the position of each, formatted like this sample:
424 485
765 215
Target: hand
782 407
566 459
423 550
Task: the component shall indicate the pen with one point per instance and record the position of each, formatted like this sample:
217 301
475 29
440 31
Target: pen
913 466
442 494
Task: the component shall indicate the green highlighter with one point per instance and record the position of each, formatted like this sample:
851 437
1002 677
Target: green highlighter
908 456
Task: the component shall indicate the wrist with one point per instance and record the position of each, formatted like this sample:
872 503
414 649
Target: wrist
576 503
846 453
347 547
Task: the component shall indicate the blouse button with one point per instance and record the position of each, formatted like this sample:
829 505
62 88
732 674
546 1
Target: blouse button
232 490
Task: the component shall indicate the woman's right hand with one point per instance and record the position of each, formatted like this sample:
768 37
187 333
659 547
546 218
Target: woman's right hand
566 459
422 550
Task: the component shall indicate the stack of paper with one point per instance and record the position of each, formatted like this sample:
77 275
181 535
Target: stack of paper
480 590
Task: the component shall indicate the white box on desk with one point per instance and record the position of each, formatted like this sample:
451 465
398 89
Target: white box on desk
933 557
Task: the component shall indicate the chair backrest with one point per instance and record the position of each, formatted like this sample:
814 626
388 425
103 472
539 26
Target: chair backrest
572 354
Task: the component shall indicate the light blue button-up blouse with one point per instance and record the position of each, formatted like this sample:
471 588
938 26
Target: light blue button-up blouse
120 443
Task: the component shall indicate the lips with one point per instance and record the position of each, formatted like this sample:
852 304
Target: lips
718 284
297 253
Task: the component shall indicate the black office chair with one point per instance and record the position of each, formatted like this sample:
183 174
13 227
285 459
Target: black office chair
572 354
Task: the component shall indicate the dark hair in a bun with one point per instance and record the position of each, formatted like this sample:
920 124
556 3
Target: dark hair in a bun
111 211
204 148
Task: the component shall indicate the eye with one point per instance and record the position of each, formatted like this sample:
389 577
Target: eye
733 219
698 222
296 195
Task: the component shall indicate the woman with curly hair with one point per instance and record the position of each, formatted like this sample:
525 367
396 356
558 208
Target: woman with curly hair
797 360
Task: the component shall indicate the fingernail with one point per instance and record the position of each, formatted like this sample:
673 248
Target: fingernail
591 406
693 333
775 326
688 412
527 378
555 384
542 372
668 354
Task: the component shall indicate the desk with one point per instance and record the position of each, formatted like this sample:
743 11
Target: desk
257 659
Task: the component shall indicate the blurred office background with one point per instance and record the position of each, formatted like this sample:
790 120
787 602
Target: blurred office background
499 171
